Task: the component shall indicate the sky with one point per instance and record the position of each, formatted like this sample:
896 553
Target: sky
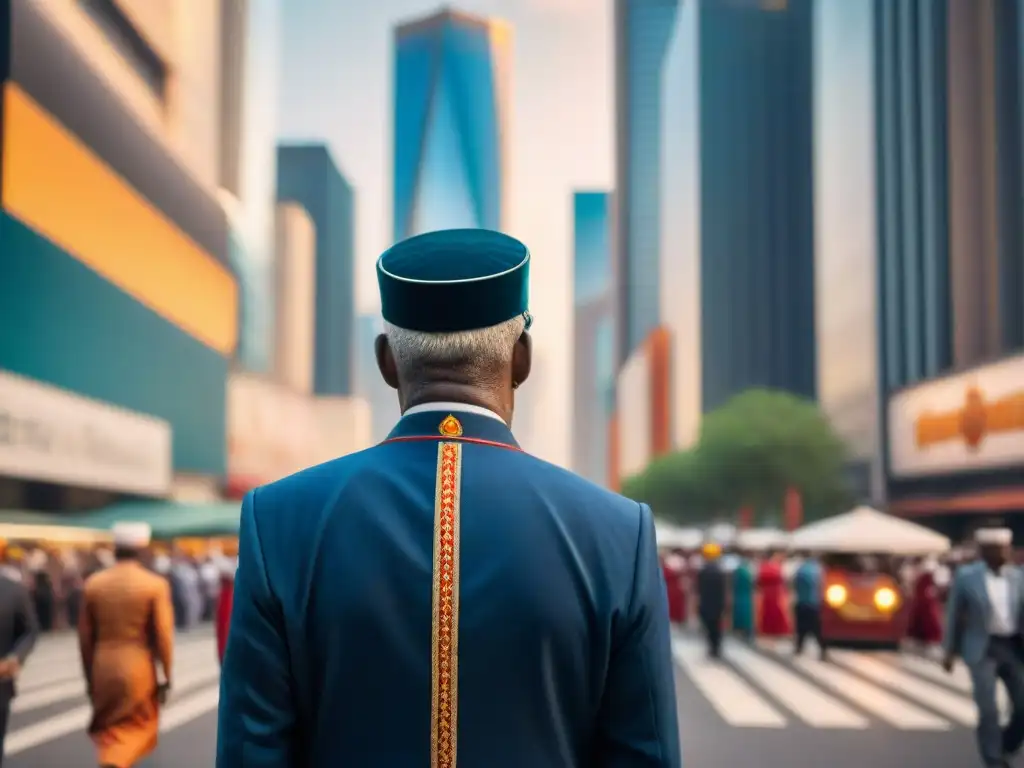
336 87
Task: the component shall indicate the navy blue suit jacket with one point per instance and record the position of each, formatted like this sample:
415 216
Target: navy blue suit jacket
445 598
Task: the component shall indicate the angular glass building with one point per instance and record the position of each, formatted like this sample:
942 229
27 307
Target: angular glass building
451 104
594 366
745 68
643 29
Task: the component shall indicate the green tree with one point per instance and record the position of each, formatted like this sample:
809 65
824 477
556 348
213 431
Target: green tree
763 442
678 487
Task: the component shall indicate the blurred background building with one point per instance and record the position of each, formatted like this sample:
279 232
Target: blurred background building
451 102
308 176
146 265
643 29
951 267
111 149
845 238
249 65
594 369
747 69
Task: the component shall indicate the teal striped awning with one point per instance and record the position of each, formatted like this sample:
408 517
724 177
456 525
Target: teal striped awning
168 519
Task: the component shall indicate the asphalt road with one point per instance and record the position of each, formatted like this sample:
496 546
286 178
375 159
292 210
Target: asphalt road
756 707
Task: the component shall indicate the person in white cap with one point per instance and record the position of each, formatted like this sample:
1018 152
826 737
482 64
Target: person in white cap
983 627
125 627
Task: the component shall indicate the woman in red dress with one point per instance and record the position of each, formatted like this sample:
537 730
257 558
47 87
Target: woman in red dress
925 622
673 567
224 603
773 618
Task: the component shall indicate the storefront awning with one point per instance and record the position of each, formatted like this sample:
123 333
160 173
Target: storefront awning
168 519
16 525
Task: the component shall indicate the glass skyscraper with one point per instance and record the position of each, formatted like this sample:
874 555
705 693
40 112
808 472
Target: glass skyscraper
643 29
594 365
742 74
950 185
451 102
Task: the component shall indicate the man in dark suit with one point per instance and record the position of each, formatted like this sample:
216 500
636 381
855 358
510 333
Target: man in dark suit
18 633
444 597
712 597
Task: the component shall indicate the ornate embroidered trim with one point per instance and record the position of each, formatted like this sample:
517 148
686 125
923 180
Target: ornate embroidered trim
473 440
444 711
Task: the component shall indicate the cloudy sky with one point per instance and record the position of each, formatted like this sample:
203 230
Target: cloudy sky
336 87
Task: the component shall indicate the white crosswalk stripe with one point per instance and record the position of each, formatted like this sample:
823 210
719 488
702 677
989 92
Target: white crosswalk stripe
733 699
766 686
51 702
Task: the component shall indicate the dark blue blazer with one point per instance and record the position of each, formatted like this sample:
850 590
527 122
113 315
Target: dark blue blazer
445 599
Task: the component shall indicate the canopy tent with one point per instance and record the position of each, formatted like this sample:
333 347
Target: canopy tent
762 539
723 534
867 531
168 519
673 537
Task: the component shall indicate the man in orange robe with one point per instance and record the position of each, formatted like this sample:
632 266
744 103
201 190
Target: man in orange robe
126 625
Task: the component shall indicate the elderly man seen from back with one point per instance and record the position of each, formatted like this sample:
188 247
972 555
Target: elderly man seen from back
445 598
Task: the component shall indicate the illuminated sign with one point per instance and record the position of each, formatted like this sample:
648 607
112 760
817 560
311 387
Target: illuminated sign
969 421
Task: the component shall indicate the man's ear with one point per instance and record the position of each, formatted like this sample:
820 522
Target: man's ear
522 359
386 361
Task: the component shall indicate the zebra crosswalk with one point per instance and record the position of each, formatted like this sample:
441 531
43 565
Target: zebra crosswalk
52 704
765 686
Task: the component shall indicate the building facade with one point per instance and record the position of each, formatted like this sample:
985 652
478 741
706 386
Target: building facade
594 334
846 254
452 95
247 174
641 429
295 305
746 68
643 29
103 160
308 177
951 269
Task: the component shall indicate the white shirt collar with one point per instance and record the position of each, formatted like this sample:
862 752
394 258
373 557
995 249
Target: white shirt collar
449 407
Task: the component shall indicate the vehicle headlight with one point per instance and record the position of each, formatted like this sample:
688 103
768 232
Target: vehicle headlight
886 599
835 595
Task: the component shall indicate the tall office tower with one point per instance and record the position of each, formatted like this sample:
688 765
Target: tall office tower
308 176
739 164
643 29
452 99
949 185
248 154
845 237
594 334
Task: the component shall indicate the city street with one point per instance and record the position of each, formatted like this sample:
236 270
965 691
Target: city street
757 705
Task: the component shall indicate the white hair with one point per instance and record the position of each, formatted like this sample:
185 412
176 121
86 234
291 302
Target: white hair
483 347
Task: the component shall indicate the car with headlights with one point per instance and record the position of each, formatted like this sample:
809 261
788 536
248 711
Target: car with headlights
863 603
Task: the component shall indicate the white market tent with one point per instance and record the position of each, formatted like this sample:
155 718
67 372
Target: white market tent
673 537
867 531
723 534
762 539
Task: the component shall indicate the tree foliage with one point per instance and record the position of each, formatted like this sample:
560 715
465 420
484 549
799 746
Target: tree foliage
750 451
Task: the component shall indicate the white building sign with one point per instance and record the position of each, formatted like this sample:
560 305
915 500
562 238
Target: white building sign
51 435
966 422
